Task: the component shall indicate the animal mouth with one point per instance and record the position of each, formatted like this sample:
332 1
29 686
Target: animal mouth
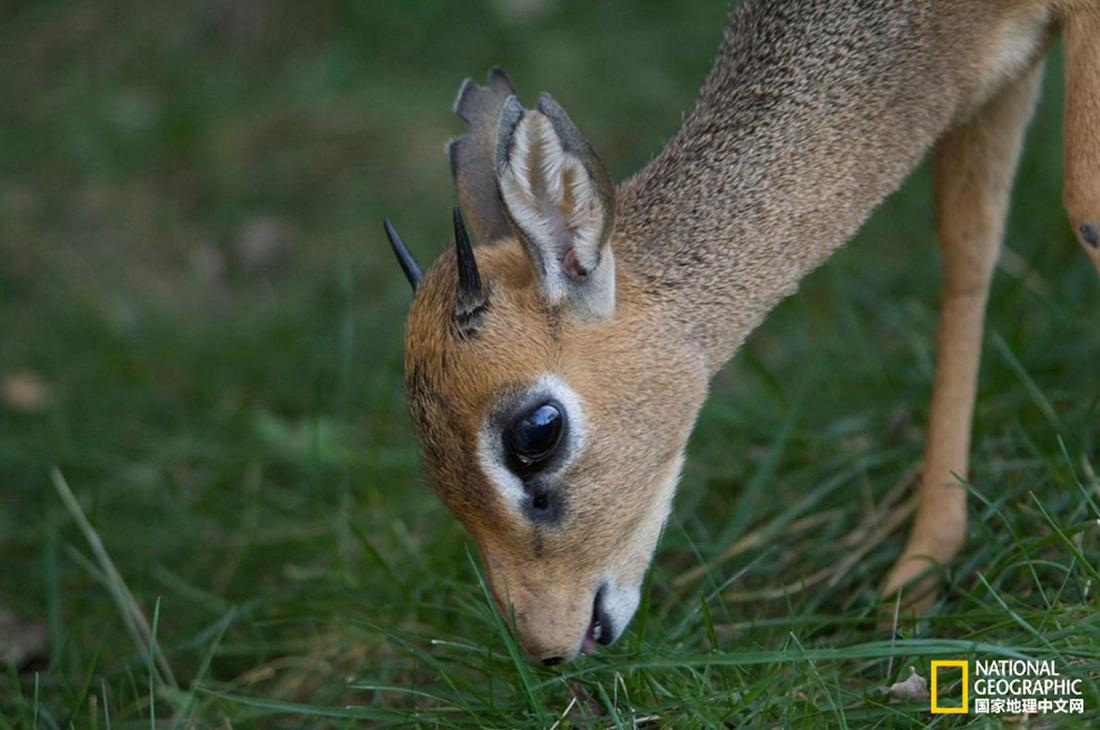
594 634
599 629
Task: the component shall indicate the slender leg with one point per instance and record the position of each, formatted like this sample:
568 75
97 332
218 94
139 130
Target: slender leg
1082 126
974 167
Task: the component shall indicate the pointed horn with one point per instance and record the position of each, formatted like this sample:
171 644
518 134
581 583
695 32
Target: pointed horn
470 302
469 281
404 257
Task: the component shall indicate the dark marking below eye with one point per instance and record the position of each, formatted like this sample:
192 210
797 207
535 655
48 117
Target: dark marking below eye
544 508
1089 234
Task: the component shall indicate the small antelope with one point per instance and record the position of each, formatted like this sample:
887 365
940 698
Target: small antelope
554 371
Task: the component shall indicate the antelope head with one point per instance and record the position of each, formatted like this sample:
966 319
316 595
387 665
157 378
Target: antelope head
551 394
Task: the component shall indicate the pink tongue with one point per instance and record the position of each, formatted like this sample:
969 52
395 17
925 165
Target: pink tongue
588 646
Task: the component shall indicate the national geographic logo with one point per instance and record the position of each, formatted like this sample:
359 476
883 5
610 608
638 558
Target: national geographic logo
938 664
1003 686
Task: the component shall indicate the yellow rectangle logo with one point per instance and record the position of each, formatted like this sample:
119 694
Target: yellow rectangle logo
962 664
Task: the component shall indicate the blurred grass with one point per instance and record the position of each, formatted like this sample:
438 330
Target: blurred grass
192 271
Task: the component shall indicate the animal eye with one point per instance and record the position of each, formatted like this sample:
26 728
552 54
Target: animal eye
532 438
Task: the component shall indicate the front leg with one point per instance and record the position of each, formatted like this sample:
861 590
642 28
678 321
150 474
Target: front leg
974 167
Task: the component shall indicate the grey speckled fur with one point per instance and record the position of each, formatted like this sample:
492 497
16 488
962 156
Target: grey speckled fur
814 111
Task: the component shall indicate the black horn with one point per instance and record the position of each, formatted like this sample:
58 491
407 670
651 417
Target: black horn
404 257
471 298
469 281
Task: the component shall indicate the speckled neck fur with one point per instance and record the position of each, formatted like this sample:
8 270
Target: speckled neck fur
814 111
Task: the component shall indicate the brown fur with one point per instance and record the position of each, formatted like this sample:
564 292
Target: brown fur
451 387
813 112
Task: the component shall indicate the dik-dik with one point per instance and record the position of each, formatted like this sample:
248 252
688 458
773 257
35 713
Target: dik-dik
554 370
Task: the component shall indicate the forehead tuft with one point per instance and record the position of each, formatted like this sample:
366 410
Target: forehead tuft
514 327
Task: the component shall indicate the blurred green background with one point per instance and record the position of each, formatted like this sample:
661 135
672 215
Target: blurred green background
200 326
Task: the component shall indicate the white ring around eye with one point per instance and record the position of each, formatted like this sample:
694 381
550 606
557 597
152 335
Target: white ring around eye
490 451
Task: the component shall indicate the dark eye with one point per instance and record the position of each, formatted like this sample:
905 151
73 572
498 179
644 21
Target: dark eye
532 438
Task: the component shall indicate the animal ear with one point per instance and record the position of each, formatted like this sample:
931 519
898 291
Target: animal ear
557 193
472 155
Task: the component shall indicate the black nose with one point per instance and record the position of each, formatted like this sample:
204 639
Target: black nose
551 661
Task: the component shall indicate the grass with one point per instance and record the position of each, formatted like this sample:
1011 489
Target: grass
192 266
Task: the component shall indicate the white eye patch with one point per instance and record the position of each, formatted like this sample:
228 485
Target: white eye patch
490 444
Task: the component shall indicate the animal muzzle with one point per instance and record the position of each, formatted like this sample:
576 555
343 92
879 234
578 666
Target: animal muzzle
552 635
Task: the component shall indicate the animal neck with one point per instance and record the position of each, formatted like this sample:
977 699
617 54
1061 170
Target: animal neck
811 115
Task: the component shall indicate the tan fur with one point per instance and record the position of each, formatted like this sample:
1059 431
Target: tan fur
807 120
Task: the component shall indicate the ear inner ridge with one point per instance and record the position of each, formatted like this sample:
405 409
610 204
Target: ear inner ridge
552 200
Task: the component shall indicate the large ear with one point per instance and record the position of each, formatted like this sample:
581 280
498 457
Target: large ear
473 155
558 195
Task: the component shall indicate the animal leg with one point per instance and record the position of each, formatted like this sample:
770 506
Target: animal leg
974 167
